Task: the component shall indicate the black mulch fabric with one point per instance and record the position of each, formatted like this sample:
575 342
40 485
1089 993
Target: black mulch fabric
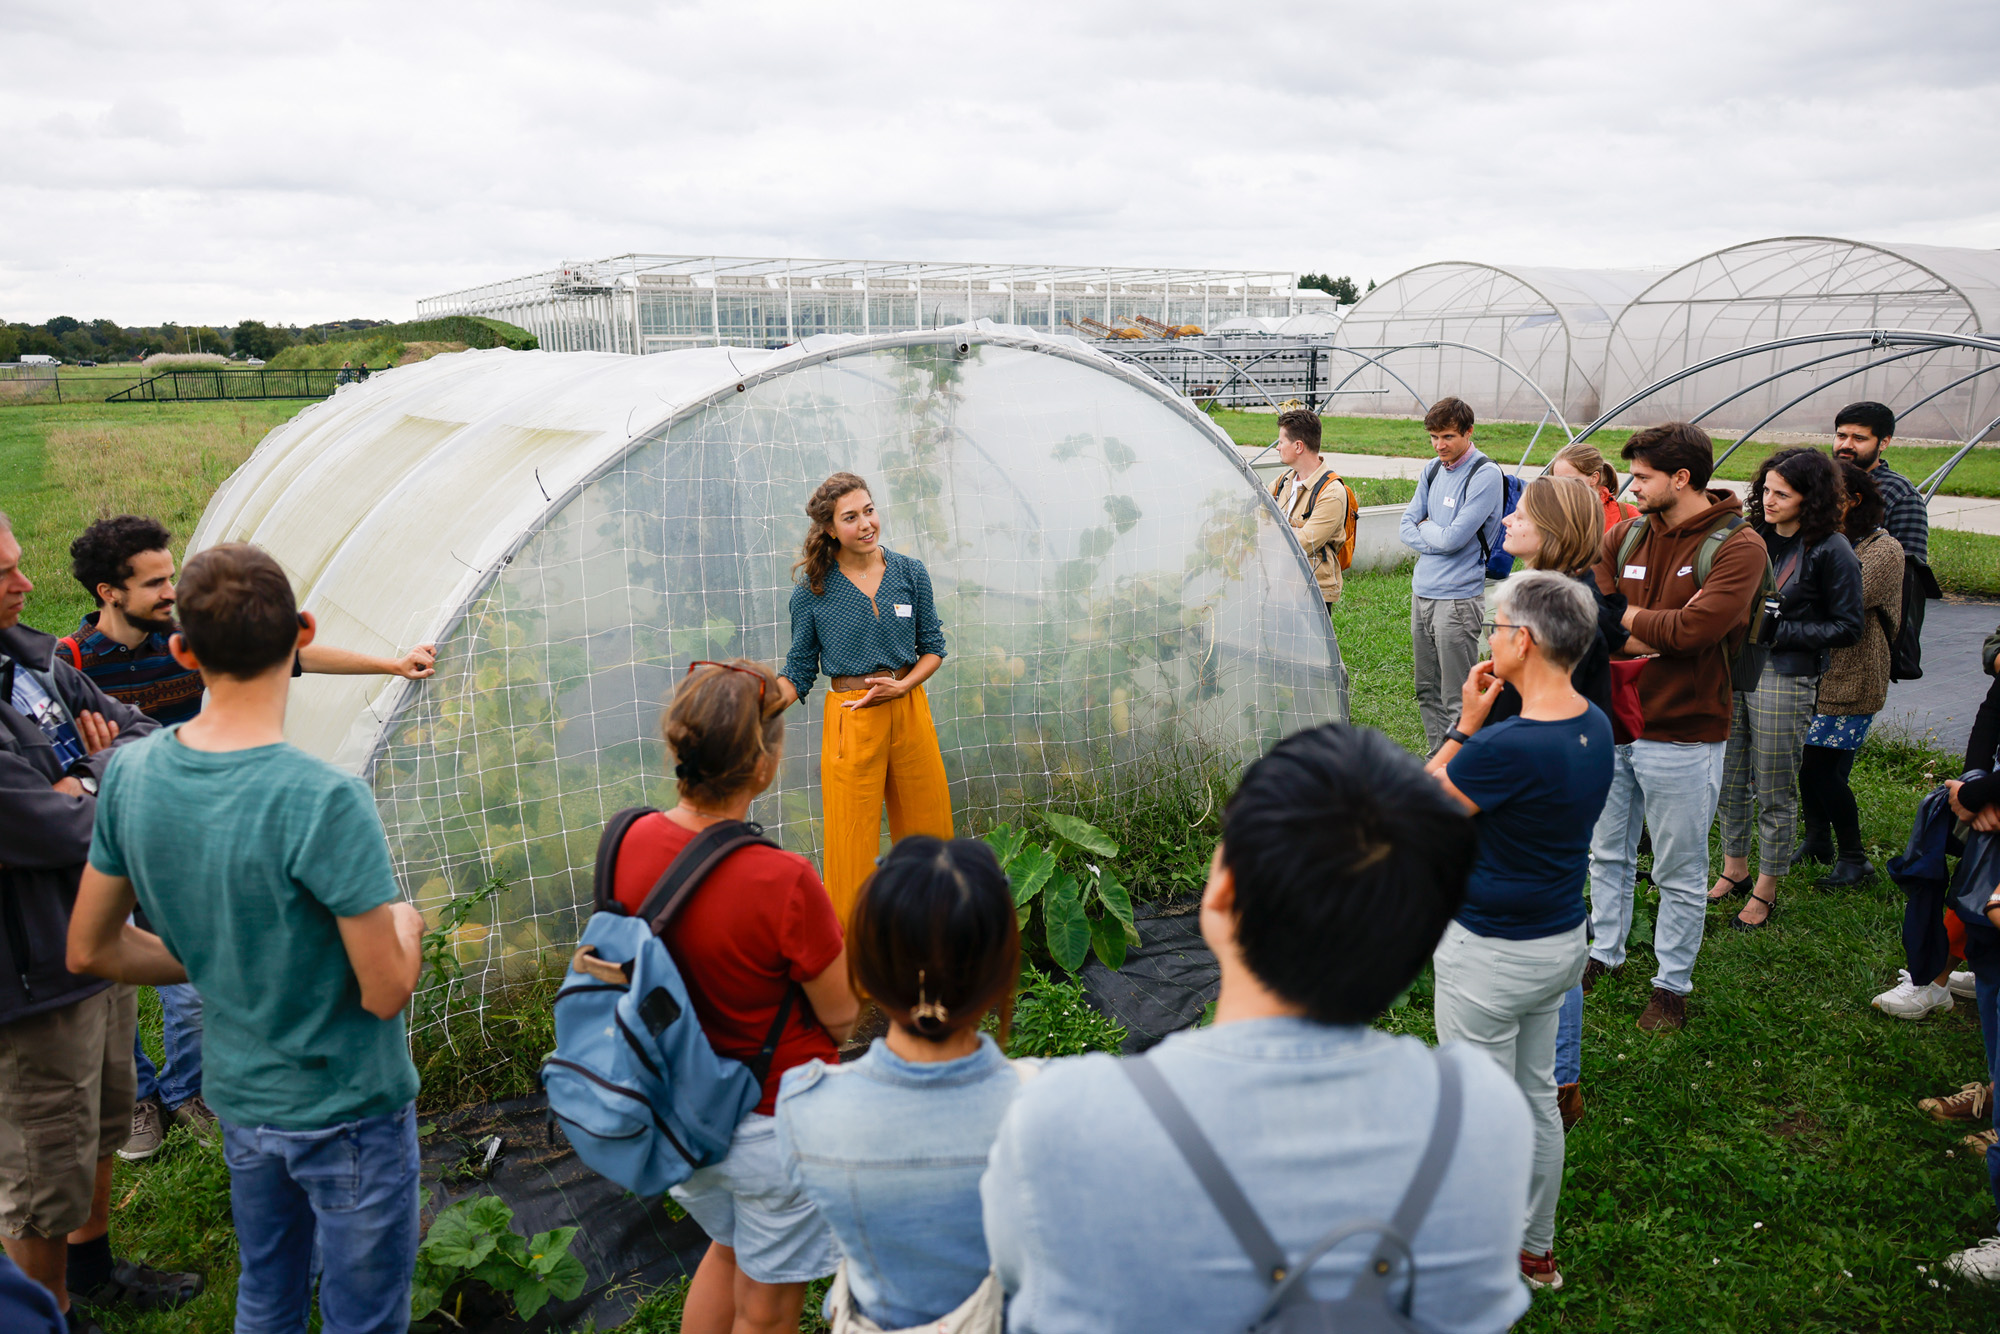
1166 982
628 1246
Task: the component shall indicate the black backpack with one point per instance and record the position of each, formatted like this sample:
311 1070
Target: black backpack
1368 1307
1906 649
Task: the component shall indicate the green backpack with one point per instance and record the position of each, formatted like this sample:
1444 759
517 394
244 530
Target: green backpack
1747 656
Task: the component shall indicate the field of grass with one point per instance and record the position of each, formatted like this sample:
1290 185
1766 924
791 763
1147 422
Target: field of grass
1764 1170
63 467
1977 475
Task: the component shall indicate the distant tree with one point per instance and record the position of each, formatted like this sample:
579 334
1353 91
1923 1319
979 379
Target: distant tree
1371 284
10 344
1341 289
253 338
61 325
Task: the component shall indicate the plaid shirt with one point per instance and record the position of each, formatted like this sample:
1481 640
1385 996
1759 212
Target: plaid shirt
1908 520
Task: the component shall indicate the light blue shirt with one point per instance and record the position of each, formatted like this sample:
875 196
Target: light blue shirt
1452 507
1097 1225
890 1153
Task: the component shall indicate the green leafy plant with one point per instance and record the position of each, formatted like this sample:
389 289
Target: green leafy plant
1085 907
475 1239
1052 1018
443 942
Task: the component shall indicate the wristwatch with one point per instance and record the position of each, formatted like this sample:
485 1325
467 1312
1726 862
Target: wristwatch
88 783
1453 734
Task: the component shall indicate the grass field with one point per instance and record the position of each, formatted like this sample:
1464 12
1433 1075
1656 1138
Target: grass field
1977 475
1766 1170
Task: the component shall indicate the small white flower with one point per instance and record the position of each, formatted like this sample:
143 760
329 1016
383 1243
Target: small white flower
1628 1120
1756 1225
1951 1153
1923 1269
1759 1064
1847 1273
1711 1065
1934 1283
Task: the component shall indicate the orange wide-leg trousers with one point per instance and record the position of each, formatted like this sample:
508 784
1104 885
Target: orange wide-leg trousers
868 758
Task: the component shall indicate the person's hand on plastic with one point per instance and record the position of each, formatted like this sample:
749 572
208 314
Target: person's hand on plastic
1476 696
418 663
1988 820
881 689
96 731
1958 808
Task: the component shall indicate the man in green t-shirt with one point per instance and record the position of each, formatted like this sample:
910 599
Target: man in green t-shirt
280 905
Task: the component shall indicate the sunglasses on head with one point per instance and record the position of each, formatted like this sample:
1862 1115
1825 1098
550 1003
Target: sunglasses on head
763 684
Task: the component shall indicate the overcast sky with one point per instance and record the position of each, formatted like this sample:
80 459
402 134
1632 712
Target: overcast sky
297 163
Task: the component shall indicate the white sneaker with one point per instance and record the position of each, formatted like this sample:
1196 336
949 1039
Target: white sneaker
1978 1264
1964 986
1911 1000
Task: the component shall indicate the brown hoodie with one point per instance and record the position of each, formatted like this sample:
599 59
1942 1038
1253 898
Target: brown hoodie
1685 693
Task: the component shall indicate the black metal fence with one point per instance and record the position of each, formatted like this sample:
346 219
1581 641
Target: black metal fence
184 386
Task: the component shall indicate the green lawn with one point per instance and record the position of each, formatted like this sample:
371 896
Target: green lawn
1977 475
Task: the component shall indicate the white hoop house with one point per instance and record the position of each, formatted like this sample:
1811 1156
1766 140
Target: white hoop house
1549 323
573 529
1790 286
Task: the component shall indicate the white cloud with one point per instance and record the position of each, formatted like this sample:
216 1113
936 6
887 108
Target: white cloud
277 162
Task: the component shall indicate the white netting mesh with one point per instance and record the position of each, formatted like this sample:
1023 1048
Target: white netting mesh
1118 601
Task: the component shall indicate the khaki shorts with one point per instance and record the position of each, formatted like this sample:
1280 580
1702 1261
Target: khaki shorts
66 1090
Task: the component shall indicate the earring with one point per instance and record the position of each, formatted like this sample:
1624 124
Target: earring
927 1009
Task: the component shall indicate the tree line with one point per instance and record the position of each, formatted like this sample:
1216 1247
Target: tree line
69 339
1342 289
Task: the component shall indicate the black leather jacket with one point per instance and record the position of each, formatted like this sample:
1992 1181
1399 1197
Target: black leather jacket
1819 607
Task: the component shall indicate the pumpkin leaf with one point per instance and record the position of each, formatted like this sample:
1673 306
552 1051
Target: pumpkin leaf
1084 835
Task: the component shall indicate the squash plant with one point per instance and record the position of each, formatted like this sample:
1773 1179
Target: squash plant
475 1239
1085 907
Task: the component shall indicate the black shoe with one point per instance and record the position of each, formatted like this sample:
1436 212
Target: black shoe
1848 873
1816 846
135 1285
1770 911
1595 969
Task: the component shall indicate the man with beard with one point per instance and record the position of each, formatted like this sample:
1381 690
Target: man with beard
1861 431
127 567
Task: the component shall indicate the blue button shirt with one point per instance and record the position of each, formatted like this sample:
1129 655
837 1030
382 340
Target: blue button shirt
1453 507
843 633
890 1153
1097 1225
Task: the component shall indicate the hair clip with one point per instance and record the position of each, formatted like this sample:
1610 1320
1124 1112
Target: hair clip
927 1009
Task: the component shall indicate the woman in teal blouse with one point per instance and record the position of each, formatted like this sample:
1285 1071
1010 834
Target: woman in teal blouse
864 615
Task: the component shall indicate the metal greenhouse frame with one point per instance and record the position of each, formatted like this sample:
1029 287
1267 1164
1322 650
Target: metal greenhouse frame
1771 293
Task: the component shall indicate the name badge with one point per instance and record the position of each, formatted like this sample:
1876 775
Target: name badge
1635 572
903 609
1450 501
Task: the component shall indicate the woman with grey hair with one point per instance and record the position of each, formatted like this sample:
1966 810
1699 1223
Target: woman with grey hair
1535 785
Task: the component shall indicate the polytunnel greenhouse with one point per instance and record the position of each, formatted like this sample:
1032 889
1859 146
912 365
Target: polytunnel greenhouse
1788 287
1123 606
1550 325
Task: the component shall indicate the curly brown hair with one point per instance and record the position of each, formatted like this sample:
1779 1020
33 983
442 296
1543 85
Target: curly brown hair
1868 511
821 547
1813 476
723 720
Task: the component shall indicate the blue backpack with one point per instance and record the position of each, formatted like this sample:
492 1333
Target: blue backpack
1498 563
639 1092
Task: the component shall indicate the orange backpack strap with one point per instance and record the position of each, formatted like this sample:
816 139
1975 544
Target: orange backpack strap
75 650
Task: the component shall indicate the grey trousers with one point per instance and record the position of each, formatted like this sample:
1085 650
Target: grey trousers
1444 632
1766 740
1505 997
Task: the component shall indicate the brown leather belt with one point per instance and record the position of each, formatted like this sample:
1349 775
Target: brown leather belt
861 682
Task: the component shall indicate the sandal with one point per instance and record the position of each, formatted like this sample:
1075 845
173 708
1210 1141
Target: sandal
1736 886
135 1285
1770 911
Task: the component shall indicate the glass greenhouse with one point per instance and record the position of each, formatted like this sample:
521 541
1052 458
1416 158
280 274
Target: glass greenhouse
1789 286
656 303
1551 324
1124 607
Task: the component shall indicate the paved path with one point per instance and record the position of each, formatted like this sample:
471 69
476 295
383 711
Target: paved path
1965 513
1938 709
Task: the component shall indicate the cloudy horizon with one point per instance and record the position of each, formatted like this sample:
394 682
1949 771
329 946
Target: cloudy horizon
208 164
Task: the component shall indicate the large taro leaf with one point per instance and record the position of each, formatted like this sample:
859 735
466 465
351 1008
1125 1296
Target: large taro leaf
1084 835
1030 871
1068 928
1117 906
1107 939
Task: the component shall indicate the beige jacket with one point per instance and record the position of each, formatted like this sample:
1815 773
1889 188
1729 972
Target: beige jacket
1857 677
1321 534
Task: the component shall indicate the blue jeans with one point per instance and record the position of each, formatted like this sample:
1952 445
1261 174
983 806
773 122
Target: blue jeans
1569 1038
1670 787
353 1188
180 1013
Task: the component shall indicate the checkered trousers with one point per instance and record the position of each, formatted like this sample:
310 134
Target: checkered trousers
1761 764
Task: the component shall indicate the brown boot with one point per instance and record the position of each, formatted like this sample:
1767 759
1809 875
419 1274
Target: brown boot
1569 1101
1665 1010
1593 970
